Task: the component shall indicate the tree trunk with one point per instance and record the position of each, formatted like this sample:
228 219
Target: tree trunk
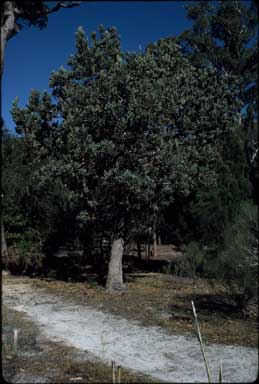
9 27
4 252
139 250
3 44
154 238
115 278
148 251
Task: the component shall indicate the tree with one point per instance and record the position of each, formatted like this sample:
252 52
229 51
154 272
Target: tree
212 209
15 181
16 14
35 215
127 133
224 36
18 202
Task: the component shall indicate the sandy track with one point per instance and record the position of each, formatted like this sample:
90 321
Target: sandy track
150 350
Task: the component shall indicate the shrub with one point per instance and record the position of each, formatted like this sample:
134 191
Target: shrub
193 260
25 255
238 263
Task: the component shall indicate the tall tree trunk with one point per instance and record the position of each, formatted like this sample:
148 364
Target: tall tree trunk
139 250
148 251
3 44
9 27
4 252
154 237
115 277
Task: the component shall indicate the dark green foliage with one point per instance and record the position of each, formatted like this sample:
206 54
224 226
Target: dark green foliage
136 131
238 263
17 204
225 36
193 261
32 12
215 207
15 173
125 140
26 255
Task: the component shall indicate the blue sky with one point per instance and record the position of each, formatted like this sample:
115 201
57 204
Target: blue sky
32 54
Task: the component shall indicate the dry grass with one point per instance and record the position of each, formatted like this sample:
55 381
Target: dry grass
165 300
39 360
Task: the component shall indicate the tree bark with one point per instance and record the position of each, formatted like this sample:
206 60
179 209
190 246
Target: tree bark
139 250
4 252
148 251
9 28
10 12
154 237
115 277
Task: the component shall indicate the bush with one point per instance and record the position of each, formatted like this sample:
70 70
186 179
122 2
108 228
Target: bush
238 266
193 260
25 255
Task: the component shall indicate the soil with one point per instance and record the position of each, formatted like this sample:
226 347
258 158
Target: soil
39 359
165 300
82 315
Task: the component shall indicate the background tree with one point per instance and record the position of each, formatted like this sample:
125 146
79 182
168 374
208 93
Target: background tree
16 179
224 36
16 14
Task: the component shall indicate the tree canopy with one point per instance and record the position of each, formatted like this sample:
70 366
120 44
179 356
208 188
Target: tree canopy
124 134
128 144
224 35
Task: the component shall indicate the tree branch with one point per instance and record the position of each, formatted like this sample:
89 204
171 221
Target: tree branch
254 155
62 4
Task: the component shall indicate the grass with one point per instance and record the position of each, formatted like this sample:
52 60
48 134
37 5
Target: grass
39 360
165 300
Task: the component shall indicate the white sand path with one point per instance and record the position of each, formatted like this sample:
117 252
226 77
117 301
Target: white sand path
150 350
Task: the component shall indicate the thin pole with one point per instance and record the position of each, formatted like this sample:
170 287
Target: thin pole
201 342
118 374
220 372
113 372
15 340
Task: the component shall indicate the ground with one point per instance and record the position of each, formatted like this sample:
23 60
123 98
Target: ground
165 300
40 360
152 299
